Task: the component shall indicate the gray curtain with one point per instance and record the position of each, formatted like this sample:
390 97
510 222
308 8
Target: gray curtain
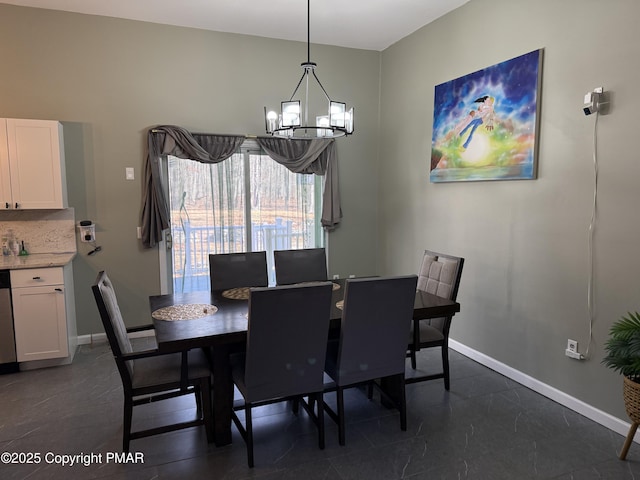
317 156
176 141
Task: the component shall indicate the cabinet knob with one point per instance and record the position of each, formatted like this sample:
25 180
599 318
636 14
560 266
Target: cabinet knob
7 205
36 278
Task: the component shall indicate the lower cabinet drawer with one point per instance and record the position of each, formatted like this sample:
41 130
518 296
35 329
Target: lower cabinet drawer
36 277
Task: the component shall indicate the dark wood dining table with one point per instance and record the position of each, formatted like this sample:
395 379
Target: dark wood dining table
225 332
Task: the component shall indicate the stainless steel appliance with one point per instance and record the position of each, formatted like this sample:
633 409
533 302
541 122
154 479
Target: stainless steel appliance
8 363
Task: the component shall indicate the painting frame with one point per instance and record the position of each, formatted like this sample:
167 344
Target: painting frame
486 123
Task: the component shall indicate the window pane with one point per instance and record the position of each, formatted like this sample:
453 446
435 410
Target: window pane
207 216
282 206
216 208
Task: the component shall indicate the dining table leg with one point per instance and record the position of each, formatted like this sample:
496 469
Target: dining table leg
222 395
392 387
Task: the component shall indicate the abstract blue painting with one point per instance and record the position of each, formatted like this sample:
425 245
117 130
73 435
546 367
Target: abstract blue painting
485 124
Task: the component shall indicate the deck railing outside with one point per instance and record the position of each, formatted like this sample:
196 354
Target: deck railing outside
193 244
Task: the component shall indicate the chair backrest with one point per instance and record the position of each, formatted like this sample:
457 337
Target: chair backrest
298 266
114 327
233 270
440 275
287 340
376 319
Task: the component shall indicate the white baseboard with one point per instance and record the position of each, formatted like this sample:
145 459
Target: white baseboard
592 413
92 338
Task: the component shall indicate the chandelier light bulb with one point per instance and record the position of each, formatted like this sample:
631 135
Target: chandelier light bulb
271 121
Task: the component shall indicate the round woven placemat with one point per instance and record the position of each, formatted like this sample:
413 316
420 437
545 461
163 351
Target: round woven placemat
240 293
188 311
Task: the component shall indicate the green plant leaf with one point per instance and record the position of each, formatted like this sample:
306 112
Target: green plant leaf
623 346
626 326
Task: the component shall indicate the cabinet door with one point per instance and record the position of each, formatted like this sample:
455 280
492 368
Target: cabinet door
40 325
5 181
36 163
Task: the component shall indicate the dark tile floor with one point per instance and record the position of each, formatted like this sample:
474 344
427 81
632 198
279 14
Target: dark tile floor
486 427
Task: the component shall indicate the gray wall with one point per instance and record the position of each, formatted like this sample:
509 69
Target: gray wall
109 80
524 285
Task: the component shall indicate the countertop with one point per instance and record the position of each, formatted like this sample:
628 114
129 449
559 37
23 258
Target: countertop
36 260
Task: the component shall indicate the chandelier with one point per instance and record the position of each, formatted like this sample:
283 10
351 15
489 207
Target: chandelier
293 119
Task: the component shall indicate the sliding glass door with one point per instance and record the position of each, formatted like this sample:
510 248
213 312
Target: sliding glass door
245 203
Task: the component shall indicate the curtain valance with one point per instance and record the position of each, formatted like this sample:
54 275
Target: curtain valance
315 156
176 141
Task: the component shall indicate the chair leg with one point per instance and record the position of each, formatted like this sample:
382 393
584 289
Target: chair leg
198 394
126 425
249 429
402 403
629 440
320 416
445 366
340 405
415 346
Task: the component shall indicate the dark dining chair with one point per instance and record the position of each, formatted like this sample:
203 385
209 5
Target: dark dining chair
376 317
299 266
286 344
234 270
439 275
149 376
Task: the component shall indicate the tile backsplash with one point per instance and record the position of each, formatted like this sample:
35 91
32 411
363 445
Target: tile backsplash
43 231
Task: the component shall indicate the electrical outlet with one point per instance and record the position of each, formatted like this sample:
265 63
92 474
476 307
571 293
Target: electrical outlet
572 350
336 276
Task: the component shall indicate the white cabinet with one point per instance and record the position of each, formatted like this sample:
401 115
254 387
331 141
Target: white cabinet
44 314
32 171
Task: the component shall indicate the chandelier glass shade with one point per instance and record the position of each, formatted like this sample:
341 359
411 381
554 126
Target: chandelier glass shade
293 118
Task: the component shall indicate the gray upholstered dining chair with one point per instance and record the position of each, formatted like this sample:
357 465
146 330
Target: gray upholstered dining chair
376 317
440 275
148 376
233 270
286 344
298 266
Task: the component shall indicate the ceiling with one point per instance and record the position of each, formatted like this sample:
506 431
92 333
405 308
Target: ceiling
366 24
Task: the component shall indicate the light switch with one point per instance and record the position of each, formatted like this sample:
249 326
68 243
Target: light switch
129 173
